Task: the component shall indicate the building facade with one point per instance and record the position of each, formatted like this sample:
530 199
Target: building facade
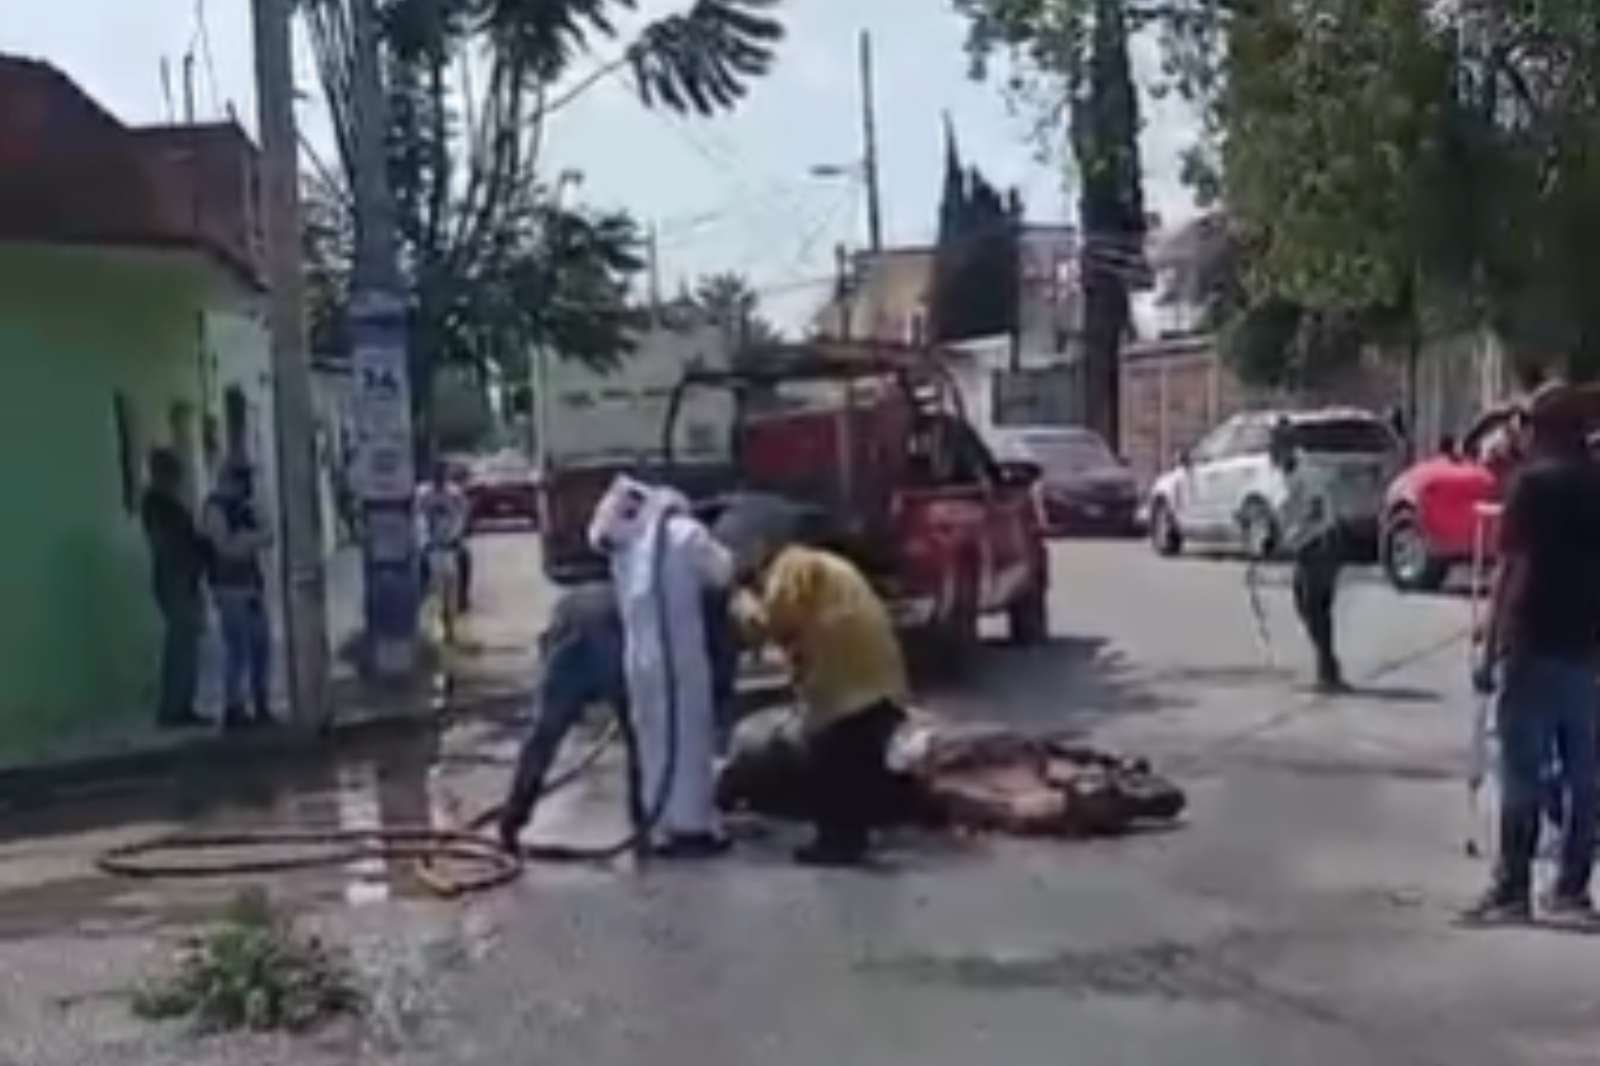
131 316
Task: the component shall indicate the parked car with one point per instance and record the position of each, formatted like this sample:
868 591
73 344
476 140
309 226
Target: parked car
502 487
1083 487
1225 490
1430 509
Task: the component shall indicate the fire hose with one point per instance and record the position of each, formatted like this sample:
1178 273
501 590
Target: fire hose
1252 585
426 846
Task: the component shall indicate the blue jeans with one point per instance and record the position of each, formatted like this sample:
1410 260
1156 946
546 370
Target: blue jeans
1546 704
580 662
246 650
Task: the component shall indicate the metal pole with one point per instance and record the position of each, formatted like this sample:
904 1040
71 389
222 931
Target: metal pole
305 621
869 133
382 377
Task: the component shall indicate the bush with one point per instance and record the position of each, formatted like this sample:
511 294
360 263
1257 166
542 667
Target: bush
251 972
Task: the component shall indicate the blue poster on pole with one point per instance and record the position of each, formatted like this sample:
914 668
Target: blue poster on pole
385 477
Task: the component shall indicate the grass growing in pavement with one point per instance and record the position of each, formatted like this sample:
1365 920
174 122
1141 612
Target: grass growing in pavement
252 971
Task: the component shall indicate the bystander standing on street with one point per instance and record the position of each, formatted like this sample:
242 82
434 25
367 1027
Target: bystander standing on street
1539 647
1310 528
238 533
177 562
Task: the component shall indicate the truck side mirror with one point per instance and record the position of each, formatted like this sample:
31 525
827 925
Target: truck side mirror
1019 472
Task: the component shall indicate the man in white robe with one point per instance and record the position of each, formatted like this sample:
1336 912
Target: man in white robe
667 669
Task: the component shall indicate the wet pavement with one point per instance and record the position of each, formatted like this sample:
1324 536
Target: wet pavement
1303 914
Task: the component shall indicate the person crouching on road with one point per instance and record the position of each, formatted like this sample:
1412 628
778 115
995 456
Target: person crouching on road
580 663
1542 637
1310 528
663 561
239 534
819 610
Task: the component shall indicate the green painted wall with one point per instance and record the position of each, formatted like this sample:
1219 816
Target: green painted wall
79 635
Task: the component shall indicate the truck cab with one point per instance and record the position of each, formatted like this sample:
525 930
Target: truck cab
912 493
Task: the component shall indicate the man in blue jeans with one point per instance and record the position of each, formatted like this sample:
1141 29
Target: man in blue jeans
580 663
239 533
1543 632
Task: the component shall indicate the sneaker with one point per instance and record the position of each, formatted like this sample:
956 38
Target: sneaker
1497 907
1562 907
692 846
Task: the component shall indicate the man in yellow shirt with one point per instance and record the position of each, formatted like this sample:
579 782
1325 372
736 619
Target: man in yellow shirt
819 610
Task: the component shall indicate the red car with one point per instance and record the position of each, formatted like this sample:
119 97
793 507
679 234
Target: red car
503 487
1430 510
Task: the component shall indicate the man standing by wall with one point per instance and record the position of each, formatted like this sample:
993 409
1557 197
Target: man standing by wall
238 534
1542 635
177 561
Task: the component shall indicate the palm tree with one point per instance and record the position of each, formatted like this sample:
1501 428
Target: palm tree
495 265
729 300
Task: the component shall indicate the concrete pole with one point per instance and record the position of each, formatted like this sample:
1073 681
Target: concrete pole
305 619
383 383
869 147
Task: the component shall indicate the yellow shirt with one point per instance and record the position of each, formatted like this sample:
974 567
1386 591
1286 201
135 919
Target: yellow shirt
825 618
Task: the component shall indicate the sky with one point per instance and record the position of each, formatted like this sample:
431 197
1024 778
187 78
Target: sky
730 193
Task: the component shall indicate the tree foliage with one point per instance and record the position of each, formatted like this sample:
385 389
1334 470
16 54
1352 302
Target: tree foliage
976 261
1072 55
729 301
494 264
1430 166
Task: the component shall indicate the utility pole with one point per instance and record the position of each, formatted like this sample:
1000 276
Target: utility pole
386 468
655 275
869 155
305 620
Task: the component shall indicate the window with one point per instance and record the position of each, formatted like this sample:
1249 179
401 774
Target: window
1213 445
1251 438
1344 436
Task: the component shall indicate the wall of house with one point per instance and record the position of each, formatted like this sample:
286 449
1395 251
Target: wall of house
84 333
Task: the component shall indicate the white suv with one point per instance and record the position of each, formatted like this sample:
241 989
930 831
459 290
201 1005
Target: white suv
1225 490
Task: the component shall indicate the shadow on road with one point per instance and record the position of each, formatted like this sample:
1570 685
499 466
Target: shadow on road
1066 682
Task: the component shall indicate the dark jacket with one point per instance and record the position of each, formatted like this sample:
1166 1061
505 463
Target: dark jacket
177 551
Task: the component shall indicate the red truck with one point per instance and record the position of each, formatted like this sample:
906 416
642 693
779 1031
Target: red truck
881 447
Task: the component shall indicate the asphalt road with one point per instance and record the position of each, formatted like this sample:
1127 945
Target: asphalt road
1303 914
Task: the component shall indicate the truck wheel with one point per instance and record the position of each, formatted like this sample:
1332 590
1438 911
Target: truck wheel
1030 618
1406 558
1258 529
1165 537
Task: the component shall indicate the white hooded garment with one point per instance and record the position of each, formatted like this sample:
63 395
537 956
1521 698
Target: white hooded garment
625 527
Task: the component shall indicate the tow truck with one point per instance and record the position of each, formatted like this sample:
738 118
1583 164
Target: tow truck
880 446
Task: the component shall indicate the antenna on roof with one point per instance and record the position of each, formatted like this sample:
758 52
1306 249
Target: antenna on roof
166 85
